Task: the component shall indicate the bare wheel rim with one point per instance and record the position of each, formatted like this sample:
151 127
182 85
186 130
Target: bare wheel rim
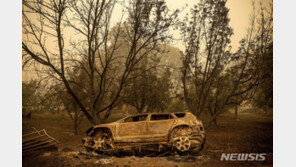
99 143
182 143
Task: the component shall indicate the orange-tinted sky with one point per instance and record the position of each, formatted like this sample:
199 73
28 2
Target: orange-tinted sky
239 13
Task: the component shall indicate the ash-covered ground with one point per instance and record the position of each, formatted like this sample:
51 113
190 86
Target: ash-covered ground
251 133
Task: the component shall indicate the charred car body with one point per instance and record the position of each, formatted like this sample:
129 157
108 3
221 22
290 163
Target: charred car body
180 131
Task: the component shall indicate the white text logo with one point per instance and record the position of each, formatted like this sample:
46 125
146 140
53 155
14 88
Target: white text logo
243 156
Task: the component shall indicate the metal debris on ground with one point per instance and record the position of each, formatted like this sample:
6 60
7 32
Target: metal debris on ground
37 140
104 161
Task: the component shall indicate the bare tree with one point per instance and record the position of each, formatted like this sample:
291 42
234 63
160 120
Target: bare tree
213 78
148 91
246 74
206 36
94 50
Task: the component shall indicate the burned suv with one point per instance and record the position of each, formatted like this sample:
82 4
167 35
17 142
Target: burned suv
180 131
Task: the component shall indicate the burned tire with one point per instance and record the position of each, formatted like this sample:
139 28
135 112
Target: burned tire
103 141
179 138
184 139
100 141
182 143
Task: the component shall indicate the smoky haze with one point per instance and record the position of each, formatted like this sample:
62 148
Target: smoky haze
239 15
165 76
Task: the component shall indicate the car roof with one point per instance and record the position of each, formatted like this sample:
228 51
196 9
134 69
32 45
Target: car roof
157 113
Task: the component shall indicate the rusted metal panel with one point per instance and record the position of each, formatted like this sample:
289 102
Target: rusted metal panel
159 128
132 130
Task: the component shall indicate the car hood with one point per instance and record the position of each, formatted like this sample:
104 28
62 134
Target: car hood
105 125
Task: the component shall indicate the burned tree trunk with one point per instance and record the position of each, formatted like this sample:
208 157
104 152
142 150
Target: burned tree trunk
235 111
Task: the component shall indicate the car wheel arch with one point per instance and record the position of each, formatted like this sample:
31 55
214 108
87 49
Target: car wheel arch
105 130
178 126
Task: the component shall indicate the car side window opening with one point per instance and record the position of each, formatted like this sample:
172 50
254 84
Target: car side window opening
180 115
136 118
160 117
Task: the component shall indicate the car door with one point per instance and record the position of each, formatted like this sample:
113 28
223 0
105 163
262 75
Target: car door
133 129
159 126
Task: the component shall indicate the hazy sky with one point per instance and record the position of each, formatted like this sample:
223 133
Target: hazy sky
239 13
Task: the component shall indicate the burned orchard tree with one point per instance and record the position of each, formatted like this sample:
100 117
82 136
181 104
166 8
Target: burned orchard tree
215 79
94 46
206 37
147 90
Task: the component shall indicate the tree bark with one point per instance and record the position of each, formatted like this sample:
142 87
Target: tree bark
236 111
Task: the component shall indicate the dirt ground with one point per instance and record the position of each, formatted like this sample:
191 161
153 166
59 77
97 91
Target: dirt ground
251 133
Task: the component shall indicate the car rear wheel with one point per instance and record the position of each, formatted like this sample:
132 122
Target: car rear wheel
182 144
179 138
